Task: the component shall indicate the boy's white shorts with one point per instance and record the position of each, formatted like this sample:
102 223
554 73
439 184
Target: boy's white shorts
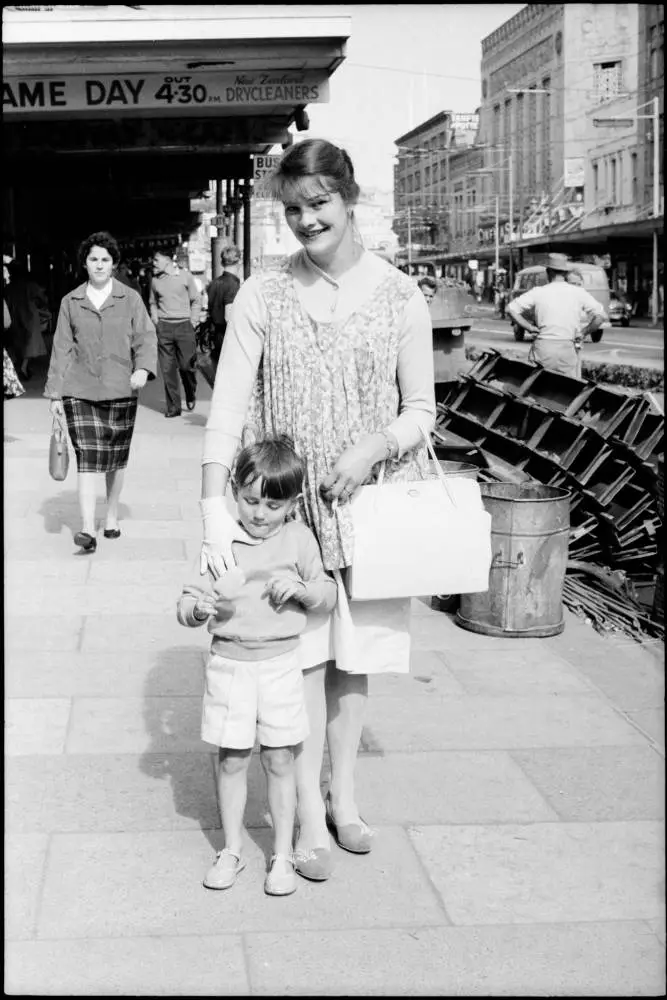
248 698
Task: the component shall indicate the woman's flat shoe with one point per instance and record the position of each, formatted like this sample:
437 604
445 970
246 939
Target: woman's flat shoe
112 532
314 865
353 837
87 542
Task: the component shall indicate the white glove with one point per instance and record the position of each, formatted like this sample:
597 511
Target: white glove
139 378
220 530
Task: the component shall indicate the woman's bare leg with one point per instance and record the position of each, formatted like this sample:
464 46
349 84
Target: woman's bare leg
115 482
308 760
87 495
346 696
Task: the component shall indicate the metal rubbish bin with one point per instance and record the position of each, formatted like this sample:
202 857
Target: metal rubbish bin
530 527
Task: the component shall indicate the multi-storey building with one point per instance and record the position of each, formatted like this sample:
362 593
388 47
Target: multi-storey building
421 183
651 85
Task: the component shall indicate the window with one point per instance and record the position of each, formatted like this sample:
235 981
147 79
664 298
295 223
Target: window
596 182
607 80
634 190
612 198
621 192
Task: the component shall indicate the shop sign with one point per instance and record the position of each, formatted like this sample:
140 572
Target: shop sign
180 94
473 264
464 122
263 167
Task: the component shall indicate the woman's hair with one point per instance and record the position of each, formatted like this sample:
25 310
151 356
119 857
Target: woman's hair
315 160
276 462
428 282
102 239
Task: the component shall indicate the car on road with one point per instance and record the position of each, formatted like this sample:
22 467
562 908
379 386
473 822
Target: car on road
620 309
593 277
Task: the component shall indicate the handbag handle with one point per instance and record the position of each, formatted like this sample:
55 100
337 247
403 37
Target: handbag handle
432 455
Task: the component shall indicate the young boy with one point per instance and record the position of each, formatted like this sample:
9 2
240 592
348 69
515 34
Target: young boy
255 615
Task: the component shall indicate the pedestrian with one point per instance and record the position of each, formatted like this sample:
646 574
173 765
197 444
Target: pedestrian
104 351
11 382
29 309
562 312
124 273
221 293
254 682
334 348
175 306
428 288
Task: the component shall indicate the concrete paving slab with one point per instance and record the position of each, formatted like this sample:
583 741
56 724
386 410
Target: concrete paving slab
652 722
166 573
577 960
598 783
20 577
124 885
149 632
439 632
622 669
496 722
428 676
59 632
140 550
25 857
36 725
159 530
123 601
447 787
547 872
80 793
94 673
148 966
135 725
516 671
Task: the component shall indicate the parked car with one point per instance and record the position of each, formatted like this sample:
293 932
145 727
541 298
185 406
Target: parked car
620 309
594 280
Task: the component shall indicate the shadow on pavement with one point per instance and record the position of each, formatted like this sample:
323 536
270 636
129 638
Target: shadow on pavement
62 511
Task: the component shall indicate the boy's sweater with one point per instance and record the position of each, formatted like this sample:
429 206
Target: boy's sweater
251 627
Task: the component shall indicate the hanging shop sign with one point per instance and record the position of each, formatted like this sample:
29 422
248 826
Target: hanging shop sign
185 93
574 172
262 168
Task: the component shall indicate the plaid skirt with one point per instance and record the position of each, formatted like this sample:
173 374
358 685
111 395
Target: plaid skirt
100 432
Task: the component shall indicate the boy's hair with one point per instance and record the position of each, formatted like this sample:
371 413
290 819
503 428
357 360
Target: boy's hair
428 282
276 462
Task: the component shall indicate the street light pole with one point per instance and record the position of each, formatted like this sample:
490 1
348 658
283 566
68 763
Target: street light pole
409 242
511 231
497 239
656 206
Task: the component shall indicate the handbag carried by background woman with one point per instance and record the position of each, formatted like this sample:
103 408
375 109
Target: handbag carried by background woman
58 451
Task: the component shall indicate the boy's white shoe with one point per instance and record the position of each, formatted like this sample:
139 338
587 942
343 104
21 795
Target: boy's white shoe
223 874
281 877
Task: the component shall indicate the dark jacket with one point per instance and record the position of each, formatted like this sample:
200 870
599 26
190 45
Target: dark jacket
95 352
221 292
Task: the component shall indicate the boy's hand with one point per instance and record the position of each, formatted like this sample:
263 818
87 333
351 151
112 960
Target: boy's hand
283 588
205 606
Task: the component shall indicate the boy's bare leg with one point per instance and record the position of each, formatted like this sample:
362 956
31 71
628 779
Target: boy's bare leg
278 764
232 794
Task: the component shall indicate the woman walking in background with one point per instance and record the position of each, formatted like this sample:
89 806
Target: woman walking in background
342 344
104 351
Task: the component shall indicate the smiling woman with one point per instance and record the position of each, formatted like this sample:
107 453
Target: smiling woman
334 350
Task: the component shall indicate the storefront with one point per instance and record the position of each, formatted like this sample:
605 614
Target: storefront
118 117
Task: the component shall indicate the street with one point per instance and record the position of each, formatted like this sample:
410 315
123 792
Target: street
633 345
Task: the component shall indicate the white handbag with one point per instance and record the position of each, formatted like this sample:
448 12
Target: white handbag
420 538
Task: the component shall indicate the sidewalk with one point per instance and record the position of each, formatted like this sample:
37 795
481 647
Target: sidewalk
516 786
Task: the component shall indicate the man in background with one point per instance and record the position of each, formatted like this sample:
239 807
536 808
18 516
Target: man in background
175 306
563 313
428 288
221 292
